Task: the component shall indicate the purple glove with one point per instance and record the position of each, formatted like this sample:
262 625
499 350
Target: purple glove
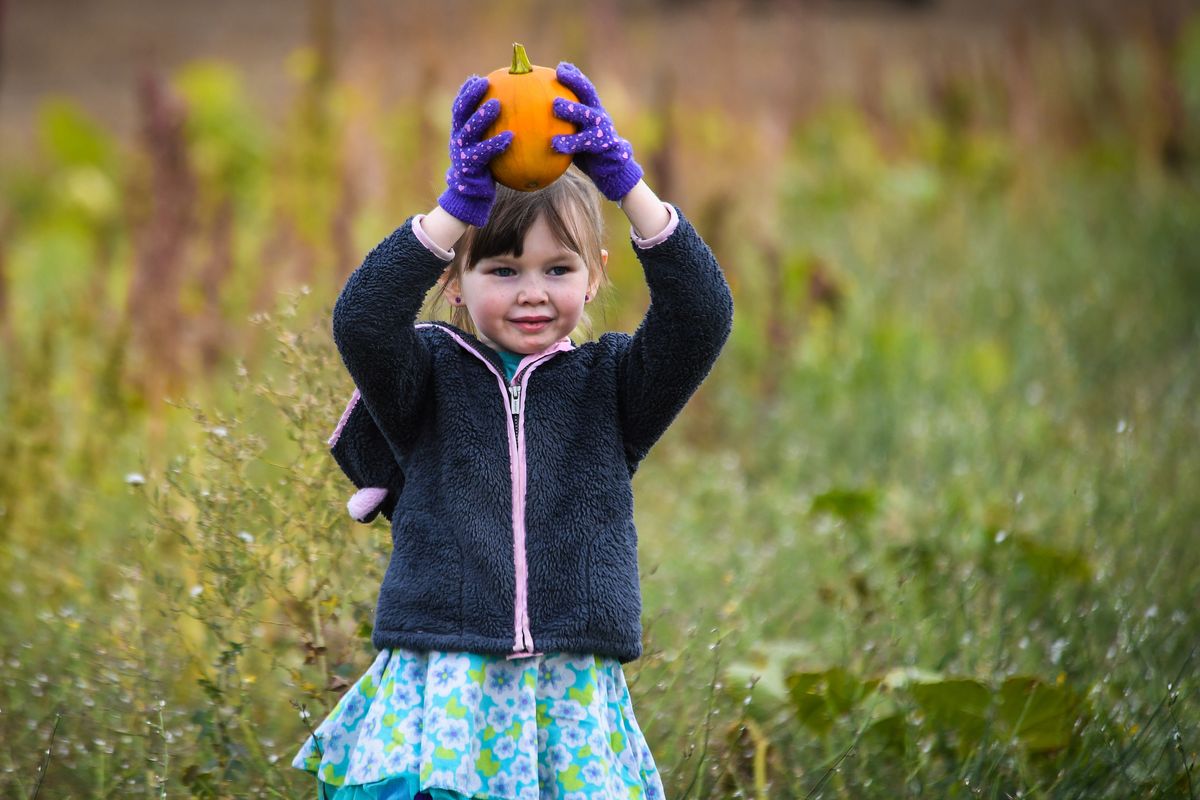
470 187
605 157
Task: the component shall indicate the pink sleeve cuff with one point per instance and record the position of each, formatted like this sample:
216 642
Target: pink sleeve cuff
445 255
365 501
662 235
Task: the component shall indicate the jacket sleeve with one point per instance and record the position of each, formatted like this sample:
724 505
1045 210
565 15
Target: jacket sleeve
373 330
688 322
363 454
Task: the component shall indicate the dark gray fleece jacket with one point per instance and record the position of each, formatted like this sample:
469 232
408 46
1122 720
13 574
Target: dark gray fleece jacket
510 503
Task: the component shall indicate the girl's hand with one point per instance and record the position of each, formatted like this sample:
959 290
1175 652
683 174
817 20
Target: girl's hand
605 157
470 187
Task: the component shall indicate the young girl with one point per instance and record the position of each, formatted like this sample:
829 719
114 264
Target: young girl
501 452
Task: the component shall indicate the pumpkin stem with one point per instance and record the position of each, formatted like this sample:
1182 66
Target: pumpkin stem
520 62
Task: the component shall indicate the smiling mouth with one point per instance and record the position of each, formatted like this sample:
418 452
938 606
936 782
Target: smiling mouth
531 324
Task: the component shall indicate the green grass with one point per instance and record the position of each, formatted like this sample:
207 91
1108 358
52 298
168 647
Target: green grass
979 468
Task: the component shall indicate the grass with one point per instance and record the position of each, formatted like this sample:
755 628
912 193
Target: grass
968 471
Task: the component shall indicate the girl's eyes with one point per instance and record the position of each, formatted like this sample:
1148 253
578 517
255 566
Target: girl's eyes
502 272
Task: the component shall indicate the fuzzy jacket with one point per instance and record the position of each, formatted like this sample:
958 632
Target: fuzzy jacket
510 503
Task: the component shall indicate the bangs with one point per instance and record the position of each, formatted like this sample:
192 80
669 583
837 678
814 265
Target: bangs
510 221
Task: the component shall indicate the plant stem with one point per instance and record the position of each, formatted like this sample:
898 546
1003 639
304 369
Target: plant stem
520 61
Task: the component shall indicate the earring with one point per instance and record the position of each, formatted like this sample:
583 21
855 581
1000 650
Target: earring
457 300
587 297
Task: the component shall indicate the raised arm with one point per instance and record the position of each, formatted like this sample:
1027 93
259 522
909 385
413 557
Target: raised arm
373 329
675 346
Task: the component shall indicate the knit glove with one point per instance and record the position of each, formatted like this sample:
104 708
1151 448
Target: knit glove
604 156
470 187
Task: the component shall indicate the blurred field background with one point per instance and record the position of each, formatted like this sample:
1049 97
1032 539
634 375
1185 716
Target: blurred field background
926 531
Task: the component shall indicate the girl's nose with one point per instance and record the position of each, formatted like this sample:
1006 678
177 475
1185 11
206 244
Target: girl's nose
531 292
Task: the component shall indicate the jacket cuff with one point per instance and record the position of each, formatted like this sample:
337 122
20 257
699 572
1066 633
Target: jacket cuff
664 234
419 232
365 503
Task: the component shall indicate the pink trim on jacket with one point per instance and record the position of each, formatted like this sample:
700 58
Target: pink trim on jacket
365 501
522 636
430 245
672 224
337 432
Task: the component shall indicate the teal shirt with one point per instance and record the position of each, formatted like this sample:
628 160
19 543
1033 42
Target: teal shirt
511 360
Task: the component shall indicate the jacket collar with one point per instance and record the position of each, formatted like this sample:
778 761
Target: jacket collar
491 355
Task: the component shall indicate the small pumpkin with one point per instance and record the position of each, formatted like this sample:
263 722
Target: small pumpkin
526 95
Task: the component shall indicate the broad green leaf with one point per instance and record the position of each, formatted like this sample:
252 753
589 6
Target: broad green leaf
1052 564
806 690
845 691
888 733
955 704
851 505
1040 715
819 697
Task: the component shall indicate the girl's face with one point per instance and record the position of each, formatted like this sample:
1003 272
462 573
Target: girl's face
525 305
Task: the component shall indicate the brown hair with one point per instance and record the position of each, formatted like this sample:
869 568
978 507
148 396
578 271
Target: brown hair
571 206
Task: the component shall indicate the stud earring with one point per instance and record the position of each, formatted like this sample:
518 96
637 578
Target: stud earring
587 297
457 300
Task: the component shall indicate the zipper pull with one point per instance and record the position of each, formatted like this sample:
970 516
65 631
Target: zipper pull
514 392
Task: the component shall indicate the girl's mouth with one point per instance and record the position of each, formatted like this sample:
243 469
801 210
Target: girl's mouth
531 327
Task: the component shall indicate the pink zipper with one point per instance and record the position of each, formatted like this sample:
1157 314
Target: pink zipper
522 637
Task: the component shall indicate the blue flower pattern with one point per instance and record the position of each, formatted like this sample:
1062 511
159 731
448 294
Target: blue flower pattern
463 725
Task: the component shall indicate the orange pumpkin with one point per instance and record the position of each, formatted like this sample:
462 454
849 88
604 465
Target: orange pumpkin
526 96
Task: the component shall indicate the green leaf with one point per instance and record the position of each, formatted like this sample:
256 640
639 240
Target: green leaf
1052 564
889 733
820 697
844 692
956 704
806 690
851 505
1040 715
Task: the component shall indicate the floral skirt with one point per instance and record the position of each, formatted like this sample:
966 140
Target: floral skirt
460 725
